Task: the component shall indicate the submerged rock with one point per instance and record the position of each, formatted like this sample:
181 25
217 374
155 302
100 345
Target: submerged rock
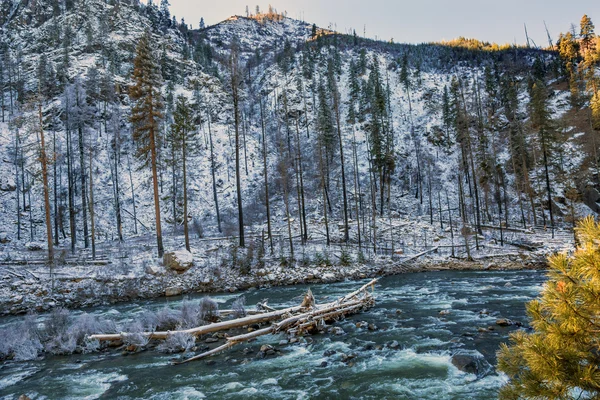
504 322
471 364
336 330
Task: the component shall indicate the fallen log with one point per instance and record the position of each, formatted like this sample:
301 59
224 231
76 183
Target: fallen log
216 327
292 324
292 320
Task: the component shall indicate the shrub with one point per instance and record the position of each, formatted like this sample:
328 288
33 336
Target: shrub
239 310
56 337
167 319
209 309
134 337
177 343
190 315
20 341
345 258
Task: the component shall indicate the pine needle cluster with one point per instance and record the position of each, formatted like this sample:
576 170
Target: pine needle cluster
560 359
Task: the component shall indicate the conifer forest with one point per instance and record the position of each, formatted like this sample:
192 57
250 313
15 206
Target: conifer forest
266 208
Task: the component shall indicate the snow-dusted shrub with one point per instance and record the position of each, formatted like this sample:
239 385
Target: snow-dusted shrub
56 337
135 336
85 325
238 307
198 227
167 319
209 309
177 343
147 320
190 315
21 341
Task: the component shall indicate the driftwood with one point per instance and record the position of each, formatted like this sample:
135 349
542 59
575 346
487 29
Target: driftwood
292 320
314 316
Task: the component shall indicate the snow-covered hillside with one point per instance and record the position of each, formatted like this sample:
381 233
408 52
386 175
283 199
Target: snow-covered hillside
284 63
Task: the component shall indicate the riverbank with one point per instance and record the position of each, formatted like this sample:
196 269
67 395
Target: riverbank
40 290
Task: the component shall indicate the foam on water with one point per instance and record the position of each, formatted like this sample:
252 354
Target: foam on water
17 377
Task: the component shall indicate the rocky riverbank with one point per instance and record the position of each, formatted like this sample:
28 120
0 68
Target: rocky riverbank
36 292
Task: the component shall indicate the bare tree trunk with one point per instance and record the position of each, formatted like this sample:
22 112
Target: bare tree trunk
301 171
82 168
357 195
135 229
70 178
236 112
186 231
17 192
212 171
336 107
548 187
91 203
264 140
55 187
244 127
44 162
451 225
321 167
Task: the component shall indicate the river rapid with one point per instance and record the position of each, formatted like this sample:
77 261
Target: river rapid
432 316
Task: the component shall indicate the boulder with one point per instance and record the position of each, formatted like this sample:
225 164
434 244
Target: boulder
328 277
7 184
504 322
34 246
172 291
471 364
153 270
179 261
336 330
4 238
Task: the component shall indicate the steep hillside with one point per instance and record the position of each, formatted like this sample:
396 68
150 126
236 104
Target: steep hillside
434 133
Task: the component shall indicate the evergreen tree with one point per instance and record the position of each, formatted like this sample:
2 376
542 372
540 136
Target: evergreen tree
146 113
164 11
560 359
587 33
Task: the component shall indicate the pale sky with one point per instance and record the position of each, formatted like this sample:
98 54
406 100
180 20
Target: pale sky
414 21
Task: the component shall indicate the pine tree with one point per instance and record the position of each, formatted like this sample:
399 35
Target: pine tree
561 358
587 33
146 114
568 49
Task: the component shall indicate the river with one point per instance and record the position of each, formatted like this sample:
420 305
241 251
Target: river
407 311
